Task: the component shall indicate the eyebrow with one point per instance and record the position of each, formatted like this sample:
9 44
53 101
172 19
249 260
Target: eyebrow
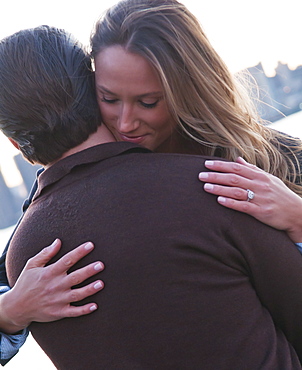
104 89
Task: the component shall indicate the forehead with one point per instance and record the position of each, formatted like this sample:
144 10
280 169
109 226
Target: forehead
117 69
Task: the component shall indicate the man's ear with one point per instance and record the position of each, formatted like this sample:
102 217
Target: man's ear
15 144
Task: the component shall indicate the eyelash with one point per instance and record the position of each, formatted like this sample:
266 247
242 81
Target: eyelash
149 106
109 101
145 105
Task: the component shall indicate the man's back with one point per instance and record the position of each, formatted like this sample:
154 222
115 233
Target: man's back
184 277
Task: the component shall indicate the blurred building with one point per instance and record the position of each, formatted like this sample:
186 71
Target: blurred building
9 208
280 94
27 171
11 199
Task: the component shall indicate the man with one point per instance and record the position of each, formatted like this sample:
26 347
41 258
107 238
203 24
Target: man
189 284
38 284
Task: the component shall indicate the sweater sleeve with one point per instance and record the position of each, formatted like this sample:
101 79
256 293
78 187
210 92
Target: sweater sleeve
274 266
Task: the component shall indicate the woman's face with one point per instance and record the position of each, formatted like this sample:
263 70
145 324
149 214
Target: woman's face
131 99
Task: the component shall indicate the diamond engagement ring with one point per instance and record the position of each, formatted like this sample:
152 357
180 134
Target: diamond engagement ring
250 194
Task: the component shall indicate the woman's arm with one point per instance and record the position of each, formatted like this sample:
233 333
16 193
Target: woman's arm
273 204
44 293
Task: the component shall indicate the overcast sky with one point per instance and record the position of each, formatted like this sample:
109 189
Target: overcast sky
243 32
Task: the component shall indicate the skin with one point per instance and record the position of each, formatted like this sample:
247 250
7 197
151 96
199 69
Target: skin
131 99
20 306
271 195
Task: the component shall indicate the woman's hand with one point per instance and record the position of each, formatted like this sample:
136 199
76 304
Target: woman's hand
44 294
273 204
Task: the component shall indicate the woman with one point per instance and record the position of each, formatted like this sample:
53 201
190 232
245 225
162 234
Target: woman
161 84
198 107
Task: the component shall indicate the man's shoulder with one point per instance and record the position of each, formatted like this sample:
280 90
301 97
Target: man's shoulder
172 160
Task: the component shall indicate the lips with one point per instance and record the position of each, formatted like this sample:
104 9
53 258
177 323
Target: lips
132 139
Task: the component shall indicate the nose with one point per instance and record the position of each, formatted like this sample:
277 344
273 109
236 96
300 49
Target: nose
127 120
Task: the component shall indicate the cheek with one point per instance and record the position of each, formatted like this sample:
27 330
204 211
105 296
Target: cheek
162 123
107 112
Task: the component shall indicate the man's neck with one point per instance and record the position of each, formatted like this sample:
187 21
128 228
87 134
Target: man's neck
101 136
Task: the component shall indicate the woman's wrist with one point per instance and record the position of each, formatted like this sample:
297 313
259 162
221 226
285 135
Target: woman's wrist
295 235
294 231
12 320
292 217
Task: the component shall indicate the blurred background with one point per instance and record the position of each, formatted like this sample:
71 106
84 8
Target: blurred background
263 37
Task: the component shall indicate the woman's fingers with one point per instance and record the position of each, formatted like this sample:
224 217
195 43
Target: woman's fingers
245 207
61 267
76 295
80 275
235 179
76 311
65 262
241 168
71 258
46 254
228 192
271 201
228 179
65 308
45 294
245 163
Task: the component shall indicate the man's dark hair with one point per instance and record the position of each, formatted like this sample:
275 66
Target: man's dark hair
47 95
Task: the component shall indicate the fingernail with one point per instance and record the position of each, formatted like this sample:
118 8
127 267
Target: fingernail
88 246
209 163
98 267
203 175
93 307
54 243
98 285
221 199
208 186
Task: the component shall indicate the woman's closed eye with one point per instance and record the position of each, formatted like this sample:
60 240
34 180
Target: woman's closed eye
108 100
142 103
149 105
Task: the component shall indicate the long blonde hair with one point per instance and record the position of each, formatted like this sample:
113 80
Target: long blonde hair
209 104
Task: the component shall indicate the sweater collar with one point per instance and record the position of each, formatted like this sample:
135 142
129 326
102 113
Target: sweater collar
91 155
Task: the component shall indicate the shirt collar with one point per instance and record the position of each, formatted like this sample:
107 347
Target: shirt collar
94 154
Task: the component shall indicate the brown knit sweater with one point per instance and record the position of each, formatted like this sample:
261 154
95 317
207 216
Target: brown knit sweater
189 284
